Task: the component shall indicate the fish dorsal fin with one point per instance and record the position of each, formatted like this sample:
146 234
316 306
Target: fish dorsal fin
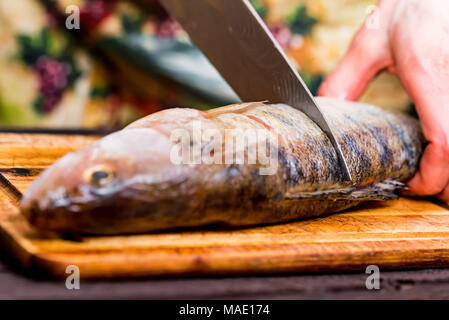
234 108
383 190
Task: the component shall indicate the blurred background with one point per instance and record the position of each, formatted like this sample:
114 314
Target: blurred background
129 59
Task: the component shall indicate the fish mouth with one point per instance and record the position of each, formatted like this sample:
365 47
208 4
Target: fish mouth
51 219
113 209
115 216
34 215
66 215
48 213
28 210
60 209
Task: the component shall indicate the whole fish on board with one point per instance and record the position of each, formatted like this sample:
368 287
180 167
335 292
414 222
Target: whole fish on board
127 182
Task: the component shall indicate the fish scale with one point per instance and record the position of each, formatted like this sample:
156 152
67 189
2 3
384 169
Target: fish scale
145 191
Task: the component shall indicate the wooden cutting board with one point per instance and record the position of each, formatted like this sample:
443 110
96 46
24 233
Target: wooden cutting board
396 234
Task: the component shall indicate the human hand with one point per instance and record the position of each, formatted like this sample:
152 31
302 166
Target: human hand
412 41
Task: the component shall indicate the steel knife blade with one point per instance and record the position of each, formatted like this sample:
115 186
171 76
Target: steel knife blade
238 43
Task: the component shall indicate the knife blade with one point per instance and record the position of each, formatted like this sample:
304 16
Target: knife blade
238 43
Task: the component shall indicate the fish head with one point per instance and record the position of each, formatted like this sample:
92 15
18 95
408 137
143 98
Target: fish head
105 184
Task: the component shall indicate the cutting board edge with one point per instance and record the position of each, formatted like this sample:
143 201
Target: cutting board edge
289 259
114 266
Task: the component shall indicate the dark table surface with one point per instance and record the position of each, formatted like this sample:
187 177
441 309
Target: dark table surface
17 283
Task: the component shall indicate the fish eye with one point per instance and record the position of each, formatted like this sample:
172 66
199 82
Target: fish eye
99 176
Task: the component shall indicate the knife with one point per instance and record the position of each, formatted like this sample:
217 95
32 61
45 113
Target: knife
238 43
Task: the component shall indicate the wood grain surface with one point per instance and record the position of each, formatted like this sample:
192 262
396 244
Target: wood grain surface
395 234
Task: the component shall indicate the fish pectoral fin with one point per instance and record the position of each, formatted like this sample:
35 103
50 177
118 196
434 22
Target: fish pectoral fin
319 194
383 190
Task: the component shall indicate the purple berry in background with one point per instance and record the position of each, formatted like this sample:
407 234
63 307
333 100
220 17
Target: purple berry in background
282 34
94 11
156 9
168 29
53 79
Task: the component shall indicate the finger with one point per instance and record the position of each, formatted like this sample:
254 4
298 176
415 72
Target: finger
428 87
368 54
433 174
444 196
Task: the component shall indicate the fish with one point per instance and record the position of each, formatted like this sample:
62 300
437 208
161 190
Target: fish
141 179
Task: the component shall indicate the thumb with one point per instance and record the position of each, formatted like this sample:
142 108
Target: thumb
368 54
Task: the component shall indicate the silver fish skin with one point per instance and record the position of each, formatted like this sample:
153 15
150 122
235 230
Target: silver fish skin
127 182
